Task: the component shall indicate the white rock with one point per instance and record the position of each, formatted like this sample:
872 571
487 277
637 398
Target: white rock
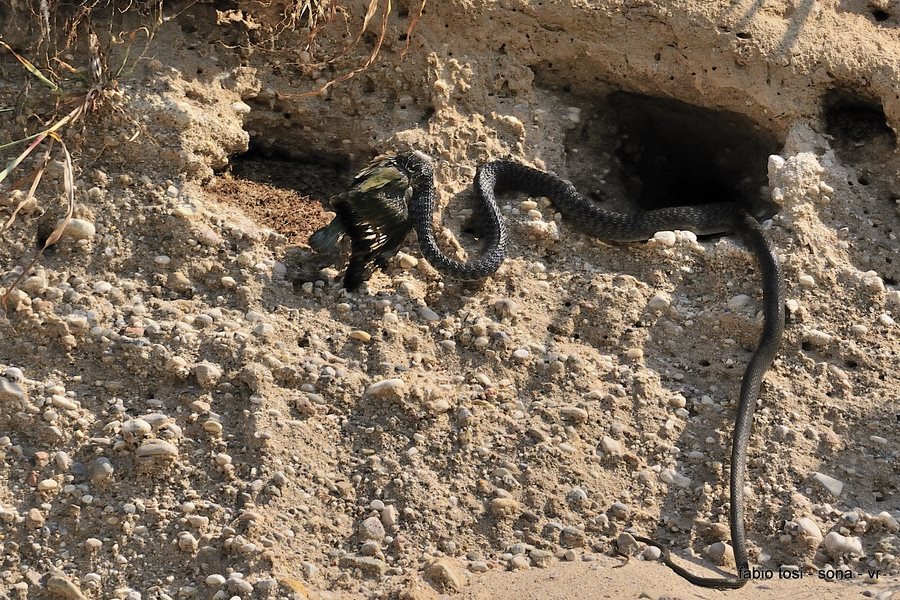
889 522
77 229
207 373
11 392
428 314
387 388
836 545
611 447
371 530
834 486
720 553
665 238
660 301
806 527
670 475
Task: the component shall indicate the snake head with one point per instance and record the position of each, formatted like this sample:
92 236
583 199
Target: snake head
418 166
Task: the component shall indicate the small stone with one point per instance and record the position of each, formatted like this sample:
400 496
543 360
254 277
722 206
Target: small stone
660 301
574 414
652 553
665 238
77 229
207 374
428 314
11 392
157 449
371 530
571 537
390 516
626 544
837 545
807 528
60 585
611 447
634 354
368 565
720 553
407 261
93 544
806 281
446 574
518 563
888 521
387 388
215 580
360 335
48 485
521 354
834 486
241 108
570 555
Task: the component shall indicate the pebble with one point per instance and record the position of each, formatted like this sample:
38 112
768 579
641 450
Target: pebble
11 392
626 544
387 388
806 281
611 447
215 580
521 354
660 301
367 564
428 314
157 449
371 530
540 558
360 336
652 553
807 528
570 555
241 108
837 545
446 574
60 585
888 521
720 553
407 261
207 374
573 413
832 485
665 238
571 537
47 485
77 229
101 470
518 563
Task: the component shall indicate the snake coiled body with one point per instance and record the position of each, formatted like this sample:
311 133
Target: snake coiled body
377 224
587 216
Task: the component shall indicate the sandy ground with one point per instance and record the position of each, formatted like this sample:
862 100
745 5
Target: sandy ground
191 406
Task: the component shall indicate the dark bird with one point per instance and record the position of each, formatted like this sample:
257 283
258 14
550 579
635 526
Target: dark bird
374 214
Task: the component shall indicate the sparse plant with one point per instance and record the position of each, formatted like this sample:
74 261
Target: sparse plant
93 87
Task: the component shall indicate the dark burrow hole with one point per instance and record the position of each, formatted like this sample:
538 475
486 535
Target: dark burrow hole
853 120
880 15
661 152
286 193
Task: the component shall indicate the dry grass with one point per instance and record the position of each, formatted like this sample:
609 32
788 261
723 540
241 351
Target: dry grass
74 95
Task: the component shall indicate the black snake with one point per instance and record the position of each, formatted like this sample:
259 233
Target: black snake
376 235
